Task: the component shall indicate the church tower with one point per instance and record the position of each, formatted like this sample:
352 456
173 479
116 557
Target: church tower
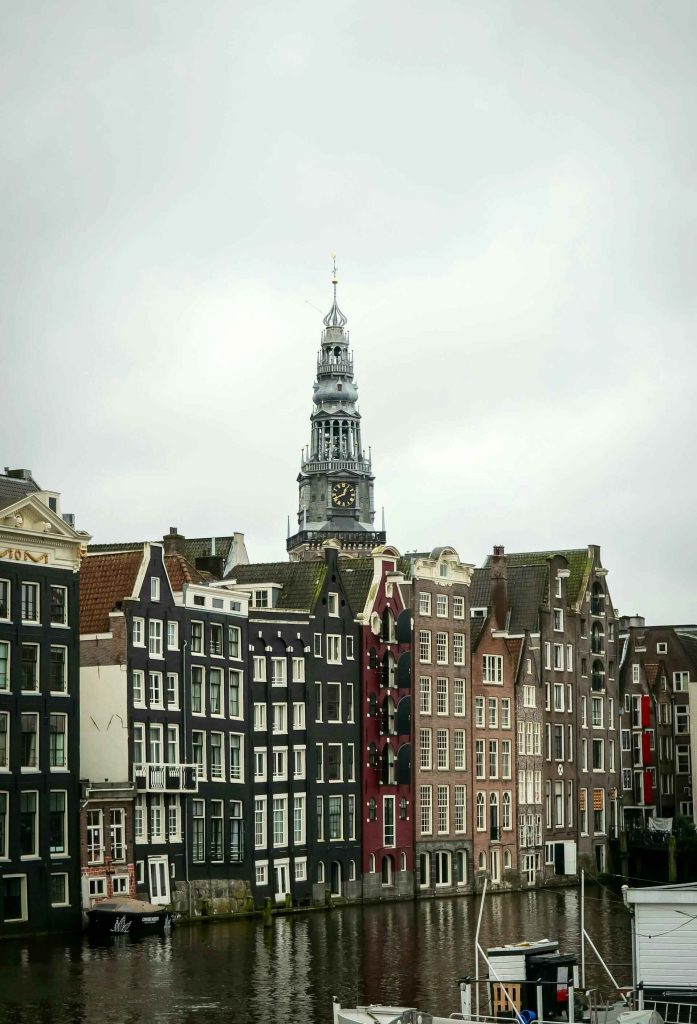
336 481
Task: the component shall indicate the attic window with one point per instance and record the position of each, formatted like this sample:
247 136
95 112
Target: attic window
443 569
53 502
154 588
199 599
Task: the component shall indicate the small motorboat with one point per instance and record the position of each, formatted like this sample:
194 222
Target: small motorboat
126 916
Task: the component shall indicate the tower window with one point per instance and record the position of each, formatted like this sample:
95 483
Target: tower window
340 387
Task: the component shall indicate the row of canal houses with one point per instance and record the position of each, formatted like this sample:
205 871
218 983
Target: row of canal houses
194 729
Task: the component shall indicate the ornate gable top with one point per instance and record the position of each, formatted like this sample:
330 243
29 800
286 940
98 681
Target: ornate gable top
334 318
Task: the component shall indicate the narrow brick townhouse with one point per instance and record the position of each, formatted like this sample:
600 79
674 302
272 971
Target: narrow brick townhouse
442 721
378 594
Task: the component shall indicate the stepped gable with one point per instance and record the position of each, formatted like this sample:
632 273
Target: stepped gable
301 582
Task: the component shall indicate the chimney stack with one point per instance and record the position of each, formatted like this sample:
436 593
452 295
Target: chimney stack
498 586
174 542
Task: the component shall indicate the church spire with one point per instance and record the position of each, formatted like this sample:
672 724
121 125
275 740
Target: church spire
336 481
334 318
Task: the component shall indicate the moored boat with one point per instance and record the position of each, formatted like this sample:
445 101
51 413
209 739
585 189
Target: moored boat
126 916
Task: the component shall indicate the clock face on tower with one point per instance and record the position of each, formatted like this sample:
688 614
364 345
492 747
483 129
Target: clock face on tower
343 495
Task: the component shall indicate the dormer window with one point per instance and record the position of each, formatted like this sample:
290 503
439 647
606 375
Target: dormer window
260 599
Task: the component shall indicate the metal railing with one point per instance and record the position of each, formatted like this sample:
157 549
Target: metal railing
166 778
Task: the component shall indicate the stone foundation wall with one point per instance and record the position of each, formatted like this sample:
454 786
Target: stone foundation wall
212 896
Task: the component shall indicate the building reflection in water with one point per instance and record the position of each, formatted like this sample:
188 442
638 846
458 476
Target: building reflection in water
405 953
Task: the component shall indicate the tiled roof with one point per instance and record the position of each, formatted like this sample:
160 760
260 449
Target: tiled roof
194 547
12 490
479 588
301 581
180 571
526 592
579 560
105 580
689 644
356 577
651 669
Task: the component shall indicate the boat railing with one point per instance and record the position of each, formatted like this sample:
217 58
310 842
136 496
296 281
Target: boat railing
672 1011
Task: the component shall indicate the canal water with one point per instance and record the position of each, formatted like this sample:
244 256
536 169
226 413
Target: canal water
405 953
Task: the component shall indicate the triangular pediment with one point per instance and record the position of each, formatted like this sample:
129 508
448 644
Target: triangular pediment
30 531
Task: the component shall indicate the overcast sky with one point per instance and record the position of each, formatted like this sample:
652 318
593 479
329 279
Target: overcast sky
511 191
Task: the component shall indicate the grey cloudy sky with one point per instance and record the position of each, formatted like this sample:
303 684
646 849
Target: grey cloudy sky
510 187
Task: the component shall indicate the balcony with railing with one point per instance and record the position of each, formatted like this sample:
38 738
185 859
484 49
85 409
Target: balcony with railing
349 539
329 365
166 778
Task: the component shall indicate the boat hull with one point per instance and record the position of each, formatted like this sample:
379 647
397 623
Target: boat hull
108 922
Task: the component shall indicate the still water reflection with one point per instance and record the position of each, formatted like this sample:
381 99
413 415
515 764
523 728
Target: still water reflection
406 953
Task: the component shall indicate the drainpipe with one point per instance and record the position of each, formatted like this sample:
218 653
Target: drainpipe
185 816
658 762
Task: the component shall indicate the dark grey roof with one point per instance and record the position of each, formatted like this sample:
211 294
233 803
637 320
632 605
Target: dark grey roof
689 645
12 490
301 581
526 592
356 577
193 547
479 589
580 561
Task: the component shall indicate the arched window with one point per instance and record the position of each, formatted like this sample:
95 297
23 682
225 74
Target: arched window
387 631
320 872
371 864
387 870
597 639
402 861
597 676
388 717
352 871
481 813
335 878
387 774
506 811
372 755
372 705
372 810
494 816
461 867
482 862
424 870
597 600
442 864
388 672
506 859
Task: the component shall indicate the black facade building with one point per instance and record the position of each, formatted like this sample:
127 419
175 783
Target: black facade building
40 554
183 639
304 692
